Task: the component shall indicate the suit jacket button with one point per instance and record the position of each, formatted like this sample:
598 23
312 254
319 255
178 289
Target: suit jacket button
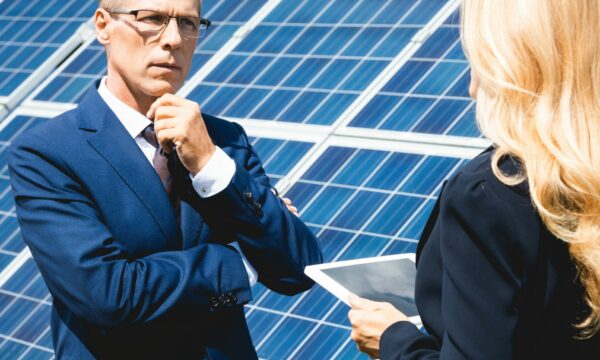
214 302
247 195
224 299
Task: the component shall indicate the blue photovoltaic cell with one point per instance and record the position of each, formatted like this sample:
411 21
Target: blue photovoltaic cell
31 31
11 243
429 94
279 156
359 203
25 307
309 60
226 16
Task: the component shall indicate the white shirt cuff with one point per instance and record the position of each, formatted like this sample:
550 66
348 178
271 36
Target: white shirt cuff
215 175
252 274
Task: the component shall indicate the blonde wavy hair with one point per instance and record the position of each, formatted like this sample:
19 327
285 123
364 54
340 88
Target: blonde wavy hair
538 100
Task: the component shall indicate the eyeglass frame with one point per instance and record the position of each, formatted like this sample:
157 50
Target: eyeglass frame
203 23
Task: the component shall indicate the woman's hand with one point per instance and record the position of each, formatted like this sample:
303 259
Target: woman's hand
369 320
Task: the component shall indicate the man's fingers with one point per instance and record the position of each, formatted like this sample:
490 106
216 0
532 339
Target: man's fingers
167 138
152 111
163 124
166 112
286 201
165 100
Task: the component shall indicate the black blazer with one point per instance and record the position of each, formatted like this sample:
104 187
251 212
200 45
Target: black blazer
492 281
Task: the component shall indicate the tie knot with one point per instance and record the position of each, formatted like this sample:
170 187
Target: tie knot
150 136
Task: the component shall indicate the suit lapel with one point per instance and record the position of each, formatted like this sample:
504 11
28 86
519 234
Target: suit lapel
110 139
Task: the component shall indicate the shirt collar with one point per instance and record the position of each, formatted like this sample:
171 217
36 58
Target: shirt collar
133 121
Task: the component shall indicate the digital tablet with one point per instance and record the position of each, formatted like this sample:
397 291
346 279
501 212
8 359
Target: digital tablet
389 278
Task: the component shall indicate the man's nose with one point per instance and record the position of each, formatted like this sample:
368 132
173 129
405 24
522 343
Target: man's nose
171 36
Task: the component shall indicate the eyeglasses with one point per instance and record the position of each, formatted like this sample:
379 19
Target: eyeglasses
155 22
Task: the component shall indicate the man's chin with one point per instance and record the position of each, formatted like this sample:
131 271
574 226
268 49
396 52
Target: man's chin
160 87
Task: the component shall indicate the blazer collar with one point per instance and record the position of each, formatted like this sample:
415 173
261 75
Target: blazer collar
110 139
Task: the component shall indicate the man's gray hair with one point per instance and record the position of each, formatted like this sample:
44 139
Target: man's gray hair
107 4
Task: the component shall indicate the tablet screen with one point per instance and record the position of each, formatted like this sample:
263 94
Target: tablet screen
392 281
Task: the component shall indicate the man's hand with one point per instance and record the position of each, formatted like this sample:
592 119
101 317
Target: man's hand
179 126
369 320
290 206
288 203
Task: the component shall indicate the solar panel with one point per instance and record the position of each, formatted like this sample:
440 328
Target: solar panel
359 203
429 94
31 31
295 64
307 61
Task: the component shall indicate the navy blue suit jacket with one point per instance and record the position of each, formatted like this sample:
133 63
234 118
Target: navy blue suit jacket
126 279
492 281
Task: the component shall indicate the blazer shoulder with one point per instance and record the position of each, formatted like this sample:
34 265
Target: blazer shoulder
224 132
477 175
56 131
501 217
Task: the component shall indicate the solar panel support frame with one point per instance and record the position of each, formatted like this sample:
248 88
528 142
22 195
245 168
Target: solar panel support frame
14 265
477 144
3 112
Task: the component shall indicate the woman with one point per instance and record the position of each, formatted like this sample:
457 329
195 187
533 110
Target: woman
509 262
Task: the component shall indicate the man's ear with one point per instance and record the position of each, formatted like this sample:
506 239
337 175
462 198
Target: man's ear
102 21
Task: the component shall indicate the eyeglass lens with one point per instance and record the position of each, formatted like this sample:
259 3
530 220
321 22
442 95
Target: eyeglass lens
189 26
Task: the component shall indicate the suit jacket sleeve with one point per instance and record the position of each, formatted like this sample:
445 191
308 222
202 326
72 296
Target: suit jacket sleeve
91 273
481 281
275 241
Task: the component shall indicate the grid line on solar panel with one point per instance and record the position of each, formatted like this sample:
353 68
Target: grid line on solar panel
88 64
429 93
307 71
27 38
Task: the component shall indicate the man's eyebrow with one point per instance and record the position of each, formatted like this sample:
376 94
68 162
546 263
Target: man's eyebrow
198 14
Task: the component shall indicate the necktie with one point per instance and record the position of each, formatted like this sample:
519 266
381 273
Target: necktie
161 162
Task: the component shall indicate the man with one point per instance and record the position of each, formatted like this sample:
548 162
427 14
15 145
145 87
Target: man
149 233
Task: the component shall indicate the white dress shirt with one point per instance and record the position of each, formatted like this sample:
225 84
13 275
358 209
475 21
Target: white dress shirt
212 179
